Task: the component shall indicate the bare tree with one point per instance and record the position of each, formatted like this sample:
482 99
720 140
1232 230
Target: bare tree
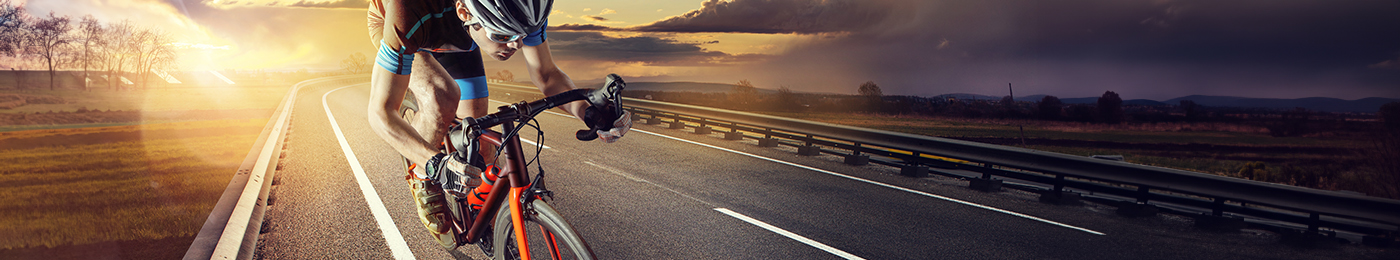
153 51
13 20
744 93
355 64
50 40
117 51
91 35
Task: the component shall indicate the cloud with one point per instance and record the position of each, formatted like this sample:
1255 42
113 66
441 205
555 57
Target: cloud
580 27
1144 49
329 4
653 51
594 18
607 11
777 16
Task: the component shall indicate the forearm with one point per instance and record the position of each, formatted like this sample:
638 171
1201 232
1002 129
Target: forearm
553 81
386 95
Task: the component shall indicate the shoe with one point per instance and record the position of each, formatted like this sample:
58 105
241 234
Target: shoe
432 211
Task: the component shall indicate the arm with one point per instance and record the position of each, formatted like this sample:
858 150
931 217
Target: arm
549 79
386 94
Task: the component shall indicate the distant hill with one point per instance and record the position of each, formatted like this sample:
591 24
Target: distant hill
1365 105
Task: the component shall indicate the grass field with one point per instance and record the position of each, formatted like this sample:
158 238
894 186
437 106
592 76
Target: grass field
133 177
91 185
166 99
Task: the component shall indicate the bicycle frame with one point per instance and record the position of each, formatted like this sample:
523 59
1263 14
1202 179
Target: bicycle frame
515 173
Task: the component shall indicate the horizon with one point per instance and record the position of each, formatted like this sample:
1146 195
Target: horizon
1154 50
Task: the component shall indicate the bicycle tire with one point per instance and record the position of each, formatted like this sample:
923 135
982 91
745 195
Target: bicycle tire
538 214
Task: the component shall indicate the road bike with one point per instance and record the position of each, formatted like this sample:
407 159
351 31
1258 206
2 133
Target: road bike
519 216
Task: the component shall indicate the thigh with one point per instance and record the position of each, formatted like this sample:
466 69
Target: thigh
467 71
437 97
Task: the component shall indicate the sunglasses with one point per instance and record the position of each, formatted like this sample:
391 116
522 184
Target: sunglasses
495 37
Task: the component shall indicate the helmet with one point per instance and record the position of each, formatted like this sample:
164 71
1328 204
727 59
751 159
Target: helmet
510 16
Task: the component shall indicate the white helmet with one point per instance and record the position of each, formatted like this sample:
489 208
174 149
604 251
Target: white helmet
516 17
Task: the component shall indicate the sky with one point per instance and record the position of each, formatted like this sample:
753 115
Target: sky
1150 49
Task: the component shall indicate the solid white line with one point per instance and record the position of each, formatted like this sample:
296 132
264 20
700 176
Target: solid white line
397 245
877 183
785 233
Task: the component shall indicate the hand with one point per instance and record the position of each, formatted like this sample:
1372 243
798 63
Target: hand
605 123
620 128
449 172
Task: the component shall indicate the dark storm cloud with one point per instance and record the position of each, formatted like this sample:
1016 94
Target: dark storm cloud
594 46
1159 49
581 27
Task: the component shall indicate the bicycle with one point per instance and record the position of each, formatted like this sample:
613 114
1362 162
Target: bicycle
507 218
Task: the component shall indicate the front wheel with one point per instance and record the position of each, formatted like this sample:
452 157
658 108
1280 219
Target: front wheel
547 232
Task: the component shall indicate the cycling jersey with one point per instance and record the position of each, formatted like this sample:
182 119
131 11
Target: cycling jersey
430 26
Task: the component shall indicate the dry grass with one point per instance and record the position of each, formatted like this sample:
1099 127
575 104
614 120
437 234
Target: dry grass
153 186
182 98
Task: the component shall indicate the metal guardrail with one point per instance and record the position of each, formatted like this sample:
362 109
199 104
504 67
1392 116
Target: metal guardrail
232 228
1311 207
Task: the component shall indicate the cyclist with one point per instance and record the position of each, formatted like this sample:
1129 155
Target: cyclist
434 47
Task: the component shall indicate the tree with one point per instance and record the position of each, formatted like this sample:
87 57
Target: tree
787 101
13 21
505 75
1191 109
1110 108
1390 116
118 49
355 64
1050 107
744 93
873 96
91 35
50 38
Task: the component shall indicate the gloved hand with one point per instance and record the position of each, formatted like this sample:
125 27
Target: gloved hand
610 126
620 128
451 173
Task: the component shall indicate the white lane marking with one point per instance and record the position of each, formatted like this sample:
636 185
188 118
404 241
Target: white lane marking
785 233
753 221
878 183
522 139
397 245
1008 212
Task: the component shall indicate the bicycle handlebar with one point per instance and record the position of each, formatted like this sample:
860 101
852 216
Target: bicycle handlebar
608 97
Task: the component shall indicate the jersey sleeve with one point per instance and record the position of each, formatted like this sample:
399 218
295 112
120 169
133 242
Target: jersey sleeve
536 38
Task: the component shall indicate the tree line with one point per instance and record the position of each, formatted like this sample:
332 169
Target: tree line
99 49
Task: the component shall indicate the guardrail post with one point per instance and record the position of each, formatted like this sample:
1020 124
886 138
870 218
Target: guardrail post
733 135
911 169
856 158
1058 195
768 140
652 119
1140 208
1217 221
985 183
704 127
809 149
677 123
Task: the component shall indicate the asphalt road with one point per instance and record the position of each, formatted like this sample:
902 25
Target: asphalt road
672 194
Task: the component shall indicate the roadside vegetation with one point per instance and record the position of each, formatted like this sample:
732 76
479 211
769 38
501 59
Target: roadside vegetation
1333 151
123 183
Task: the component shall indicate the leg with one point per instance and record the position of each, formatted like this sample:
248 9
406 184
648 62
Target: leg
437 98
